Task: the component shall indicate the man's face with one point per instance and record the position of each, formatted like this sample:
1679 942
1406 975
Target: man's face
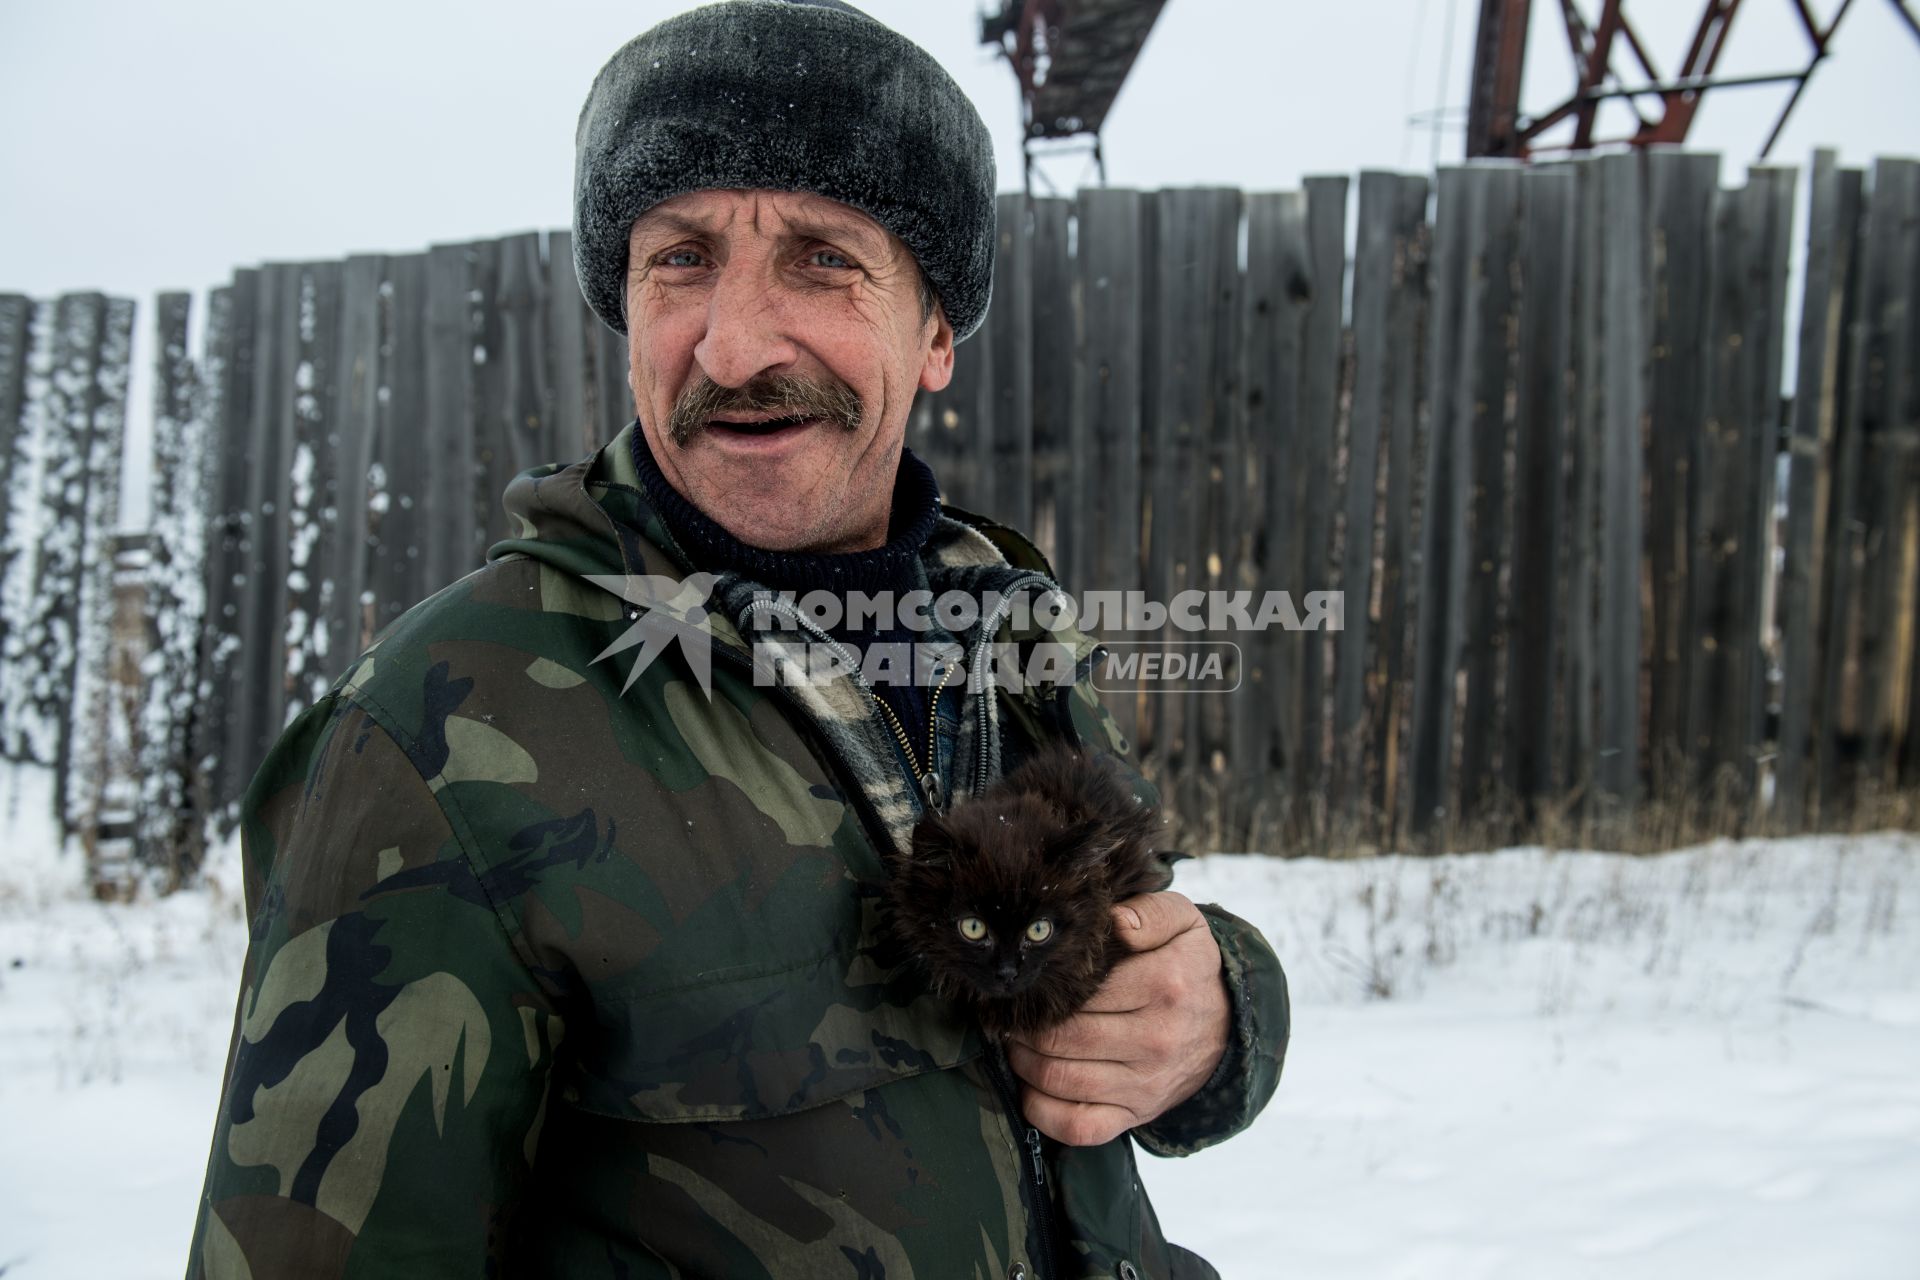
732 293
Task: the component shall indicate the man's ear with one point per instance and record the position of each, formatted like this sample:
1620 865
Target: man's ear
937 370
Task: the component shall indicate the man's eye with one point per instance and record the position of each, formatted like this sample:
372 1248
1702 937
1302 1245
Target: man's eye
830 259
678 258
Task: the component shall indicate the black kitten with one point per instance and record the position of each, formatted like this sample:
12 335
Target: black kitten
1007 899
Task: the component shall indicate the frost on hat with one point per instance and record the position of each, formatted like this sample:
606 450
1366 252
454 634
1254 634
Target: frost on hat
786 95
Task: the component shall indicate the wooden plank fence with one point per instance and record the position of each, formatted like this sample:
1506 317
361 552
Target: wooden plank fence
1600 580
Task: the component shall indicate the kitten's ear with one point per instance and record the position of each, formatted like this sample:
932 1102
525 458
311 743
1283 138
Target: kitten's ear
933 844
1084 844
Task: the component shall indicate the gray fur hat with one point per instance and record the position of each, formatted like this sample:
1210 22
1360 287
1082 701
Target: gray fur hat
786 95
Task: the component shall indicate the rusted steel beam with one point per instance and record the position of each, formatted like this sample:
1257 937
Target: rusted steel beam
1807 20
1639 50
1708 43
1596 70
1906 15
1820 39
1499 57
1596 80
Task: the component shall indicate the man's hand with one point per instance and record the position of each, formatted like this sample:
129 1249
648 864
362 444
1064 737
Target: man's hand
1147 1040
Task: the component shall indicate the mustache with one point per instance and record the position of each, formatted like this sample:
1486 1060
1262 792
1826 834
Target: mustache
783 395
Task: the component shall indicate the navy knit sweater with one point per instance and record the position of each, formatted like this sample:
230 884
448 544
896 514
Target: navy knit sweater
893 567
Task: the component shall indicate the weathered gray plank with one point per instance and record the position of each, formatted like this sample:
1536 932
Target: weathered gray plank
16 337
1216 511
313 494
1735 470
1319 407
522 432
82 671
569 324
176 456
1106 408
44 639
1768 213
1622 465
1408 336
1583 472
1374 271
1384 377
1193 354
1681 192
1841 530
1277 291
46 642
91 752
356 407
1889 431
229 578
1540 406
16 345
1057 523
1904 372
168 829
447 524
206 729
1442 605
1005 478
1716 720
1833 215
262 690
1488 430
487 393
613 406
397 573
951 425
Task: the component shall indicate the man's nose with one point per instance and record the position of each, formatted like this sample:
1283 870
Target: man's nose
746 330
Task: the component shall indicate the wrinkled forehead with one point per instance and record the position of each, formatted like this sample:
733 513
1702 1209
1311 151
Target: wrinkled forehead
772 215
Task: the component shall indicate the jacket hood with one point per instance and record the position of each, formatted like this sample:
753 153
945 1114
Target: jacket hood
592 522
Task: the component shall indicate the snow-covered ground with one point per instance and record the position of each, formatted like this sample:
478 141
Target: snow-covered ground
1521 1064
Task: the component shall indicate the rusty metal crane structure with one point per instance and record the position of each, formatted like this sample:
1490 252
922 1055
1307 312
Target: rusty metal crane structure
1664 108
1070 57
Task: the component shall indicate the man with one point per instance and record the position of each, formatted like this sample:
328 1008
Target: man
567 967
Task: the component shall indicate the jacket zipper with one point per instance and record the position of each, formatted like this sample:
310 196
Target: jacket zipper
930 776
977 673
1033 1183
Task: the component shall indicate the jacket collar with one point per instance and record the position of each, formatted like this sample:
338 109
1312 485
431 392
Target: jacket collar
592 518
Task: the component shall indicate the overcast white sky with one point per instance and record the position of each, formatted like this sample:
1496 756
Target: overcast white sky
151 146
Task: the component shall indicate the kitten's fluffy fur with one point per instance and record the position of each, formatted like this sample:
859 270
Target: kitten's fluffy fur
1059 839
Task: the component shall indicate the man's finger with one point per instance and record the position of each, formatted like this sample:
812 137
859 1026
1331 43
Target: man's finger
1078 1124
1129 988
1070 1079
1106 1037
1150 920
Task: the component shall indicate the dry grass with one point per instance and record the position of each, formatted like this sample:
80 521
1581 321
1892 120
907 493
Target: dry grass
1206 814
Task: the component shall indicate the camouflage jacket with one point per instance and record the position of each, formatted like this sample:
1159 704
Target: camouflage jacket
548 978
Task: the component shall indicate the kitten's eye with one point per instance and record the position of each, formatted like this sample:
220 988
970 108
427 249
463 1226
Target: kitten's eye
1040 930
973 928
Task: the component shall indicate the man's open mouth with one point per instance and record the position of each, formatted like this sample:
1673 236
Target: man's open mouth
767 428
